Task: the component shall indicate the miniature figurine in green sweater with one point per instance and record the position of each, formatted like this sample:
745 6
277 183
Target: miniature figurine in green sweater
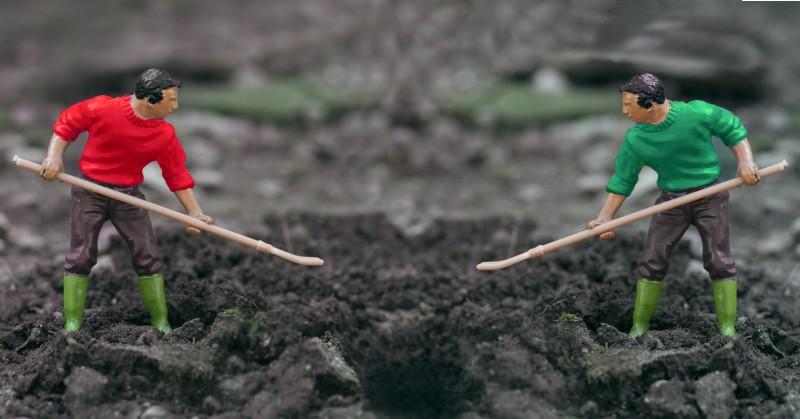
675 140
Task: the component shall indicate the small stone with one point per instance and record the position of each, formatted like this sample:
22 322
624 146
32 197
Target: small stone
105 261
210 404
201 154
27 239
588 409
550 80
269 188
695 267
667 396
591 184
715 395
84 387
235 364
209 179
775 243
155 411
794 230
5 226
229 385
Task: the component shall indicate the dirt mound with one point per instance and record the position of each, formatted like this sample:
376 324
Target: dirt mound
395 326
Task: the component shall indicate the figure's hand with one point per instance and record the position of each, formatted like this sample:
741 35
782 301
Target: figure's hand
194 231
51 167
748 171
608 235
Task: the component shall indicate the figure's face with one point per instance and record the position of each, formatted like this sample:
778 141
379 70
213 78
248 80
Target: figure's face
167 105
632 110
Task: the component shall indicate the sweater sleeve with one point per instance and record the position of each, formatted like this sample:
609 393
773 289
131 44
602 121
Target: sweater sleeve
725 125
173 166
78 118
626 171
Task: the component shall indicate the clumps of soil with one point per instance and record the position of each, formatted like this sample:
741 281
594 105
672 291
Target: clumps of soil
395 326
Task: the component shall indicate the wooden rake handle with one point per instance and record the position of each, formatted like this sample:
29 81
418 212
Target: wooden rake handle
175 215
638 215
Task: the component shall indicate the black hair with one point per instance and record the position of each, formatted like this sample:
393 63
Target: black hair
647 87
151 83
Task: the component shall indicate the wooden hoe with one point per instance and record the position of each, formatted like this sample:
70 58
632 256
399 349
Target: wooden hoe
183 218
627 219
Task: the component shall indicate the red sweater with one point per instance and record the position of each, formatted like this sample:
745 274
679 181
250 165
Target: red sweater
121 144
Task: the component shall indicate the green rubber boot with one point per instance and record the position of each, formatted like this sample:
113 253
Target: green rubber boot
647 293
74 300
154 300
725 304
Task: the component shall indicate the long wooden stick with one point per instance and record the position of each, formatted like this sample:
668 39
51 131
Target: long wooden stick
638 215
183 218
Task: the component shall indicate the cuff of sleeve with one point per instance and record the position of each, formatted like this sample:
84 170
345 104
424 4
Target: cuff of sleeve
181 183
617 189
65 134
736 142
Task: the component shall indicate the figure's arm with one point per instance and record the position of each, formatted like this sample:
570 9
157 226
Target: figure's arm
610 208
53 164
188 200
74 120
747 169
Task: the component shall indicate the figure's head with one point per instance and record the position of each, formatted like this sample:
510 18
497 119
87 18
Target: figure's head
638 95
157 85
152 82
647 87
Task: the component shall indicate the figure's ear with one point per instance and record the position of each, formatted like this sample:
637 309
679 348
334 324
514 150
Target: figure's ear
155 96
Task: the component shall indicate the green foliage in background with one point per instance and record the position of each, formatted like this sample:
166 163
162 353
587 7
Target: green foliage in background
795 126
507 105
766 142
309 100
295 102
5 119
37 137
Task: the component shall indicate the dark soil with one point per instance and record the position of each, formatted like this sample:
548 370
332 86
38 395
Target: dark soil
395 326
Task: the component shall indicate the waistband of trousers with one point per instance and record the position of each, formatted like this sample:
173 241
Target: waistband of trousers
693 189
107 185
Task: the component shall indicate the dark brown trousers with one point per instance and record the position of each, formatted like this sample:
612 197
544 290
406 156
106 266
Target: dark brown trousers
90 211
709 215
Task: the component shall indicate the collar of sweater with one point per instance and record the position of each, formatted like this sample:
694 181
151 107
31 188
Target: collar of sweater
672 115
127 109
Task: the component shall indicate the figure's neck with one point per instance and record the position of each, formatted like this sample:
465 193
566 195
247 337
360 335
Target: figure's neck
660 112
140 108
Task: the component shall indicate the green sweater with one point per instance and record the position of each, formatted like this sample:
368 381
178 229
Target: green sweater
679 149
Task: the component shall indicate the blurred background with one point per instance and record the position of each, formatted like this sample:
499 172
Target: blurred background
415 108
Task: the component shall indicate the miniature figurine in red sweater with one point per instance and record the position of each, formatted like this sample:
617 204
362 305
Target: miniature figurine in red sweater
125 134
